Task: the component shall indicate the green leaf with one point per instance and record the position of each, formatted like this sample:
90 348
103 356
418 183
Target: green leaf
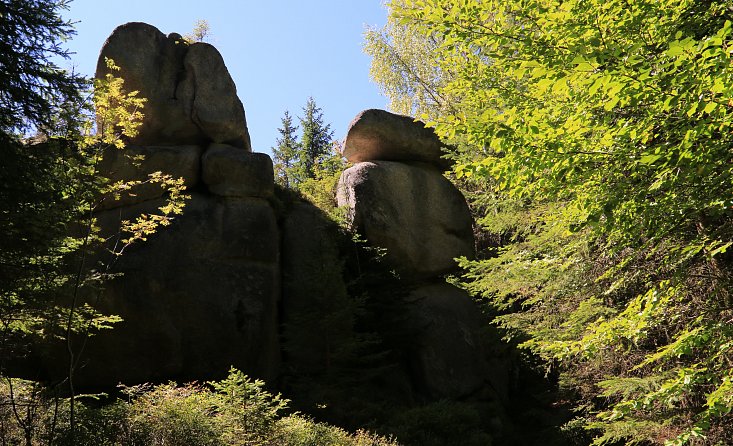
649 159
710 107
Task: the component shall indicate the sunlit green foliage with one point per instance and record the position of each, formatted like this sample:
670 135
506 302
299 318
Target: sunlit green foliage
600 134
236 411
403 65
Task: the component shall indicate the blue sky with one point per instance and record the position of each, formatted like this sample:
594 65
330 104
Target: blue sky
278 52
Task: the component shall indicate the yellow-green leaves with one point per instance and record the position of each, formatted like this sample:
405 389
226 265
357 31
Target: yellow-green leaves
622 112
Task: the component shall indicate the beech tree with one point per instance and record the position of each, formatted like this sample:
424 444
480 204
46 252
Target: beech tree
603 129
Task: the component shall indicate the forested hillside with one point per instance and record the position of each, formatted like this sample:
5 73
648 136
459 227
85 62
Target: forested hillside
591 138
594 138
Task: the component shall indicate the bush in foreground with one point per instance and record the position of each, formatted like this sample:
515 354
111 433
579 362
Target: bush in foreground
236 411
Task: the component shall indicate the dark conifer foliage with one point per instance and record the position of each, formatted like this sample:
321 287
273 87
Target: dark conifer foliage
285 154
31 84
316 140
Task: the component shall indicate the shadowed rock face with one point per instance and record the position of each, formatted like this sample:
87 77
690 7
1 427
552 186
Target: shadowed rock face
121 165
198 297
191 98
229 172
448 350
412 211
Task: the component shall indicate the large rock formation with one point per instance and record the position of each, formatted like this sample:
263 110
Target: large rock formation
257 279
397 199
202 294
191 98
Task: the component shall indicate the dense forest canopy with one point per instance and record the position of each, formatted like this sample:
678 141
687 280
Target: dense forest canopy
595 138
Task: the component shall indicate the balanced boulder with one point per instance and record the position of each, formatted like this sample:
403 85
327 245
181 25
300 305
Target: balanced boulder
378 135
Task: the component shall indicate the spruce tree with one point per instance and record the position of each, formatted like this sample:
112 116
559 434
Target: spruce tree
285 155
315 141
31 85
34 181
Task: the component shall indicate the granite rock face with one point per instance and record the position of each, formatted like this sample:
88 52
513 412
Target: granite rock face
191 98
378 135
231 172
198 297
448 352
412 211
215 107
136 163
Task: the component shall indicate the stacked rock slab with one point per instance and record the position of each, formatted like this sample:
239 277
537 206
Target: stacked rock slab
200 295
398 199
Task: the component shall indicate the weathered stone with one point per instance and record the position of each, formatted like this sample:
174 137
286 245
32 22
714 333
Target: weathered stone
312 282
448 349
126 165
232 172
198 297
216 108
378 135
191 98
152 64
413 211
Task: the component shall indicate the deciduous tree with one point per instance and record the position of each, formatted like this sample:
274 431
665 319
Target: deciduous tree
607 125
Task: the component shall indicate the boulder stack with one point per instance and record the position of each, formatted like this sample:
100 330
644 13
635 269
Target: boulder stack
397 199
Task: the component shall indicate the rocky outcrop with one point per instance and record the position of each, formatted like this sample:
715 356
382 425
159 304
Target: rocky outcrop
259 280
378 135
398 200
198 297
191 98
202 294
